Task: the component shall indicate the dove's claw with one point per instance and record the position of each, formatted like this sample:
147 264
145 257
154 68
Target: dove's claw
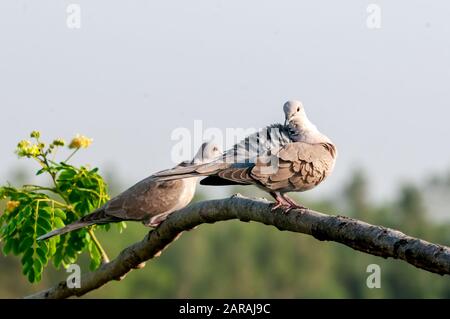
277 205
285 203
282 203
283 207
294 205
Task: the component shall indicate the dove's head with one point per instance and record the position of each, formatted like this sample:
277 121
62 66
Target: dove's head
207 153
294 110
300 127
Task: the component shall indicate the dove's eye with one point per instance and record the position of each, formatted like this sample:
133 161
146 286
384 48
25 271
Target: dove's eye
215 149
298 109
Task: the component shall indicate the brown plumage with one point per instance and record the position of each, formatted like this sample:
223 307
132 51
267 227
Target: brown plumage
301 167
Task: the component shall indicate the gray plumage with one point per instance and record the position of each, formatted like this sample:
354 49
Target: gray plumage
293 157
149 201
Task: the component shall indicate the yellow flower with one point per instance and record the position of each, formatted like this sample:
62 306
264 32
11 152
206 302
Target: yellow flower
24 144
11 205
25 148
80 141
34 150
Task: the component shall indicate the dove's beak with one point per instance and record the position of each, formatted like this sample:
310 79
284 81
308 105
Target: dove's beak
288 119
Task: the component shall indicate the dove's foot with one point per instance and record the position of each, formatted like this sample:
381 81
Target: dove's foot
281 203
152 224
285 203
294 205
284 208
155 221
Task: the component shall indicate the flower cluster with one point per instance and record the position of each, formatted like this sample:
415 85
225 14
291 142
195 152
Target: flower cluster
80 141
11 205
28 149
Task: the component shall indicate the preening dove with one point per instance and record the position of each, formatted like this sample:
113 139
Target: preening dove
149 201
293 157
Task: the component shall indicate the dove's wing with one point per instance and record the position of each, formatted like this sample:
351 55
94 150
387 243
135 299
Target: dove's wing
297 166
301 166
147 198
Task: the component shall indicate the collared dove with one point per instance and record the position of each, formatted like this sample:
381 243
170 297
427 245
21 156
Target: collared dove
293 157
149 201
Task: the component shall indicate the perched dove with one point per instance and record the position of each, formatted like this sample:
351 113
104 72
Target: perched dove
293 157
149 201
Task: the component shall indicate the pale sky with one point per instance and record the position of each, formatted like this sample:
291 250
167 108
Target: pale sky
136 70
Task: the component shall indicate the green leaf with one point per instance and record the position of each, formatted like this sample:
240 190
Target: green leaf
38 266
27 255
58 222
44 224
10 229
42 254
31 275
27 229
27 266
57 259
25 244
8 246
40 231
42 170
15 246
60 213
52 242
45 212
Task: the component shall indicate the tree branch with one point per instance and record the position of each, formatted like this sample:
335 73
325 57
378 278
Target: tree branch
374 240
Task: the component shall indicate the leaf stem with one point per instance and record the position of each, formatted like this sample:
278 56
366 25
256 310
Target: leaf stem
105 258
70 156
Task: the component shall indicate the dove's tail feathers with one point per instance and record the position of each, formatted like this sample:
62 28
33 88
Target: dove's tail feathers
66 229
96 218
191 171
